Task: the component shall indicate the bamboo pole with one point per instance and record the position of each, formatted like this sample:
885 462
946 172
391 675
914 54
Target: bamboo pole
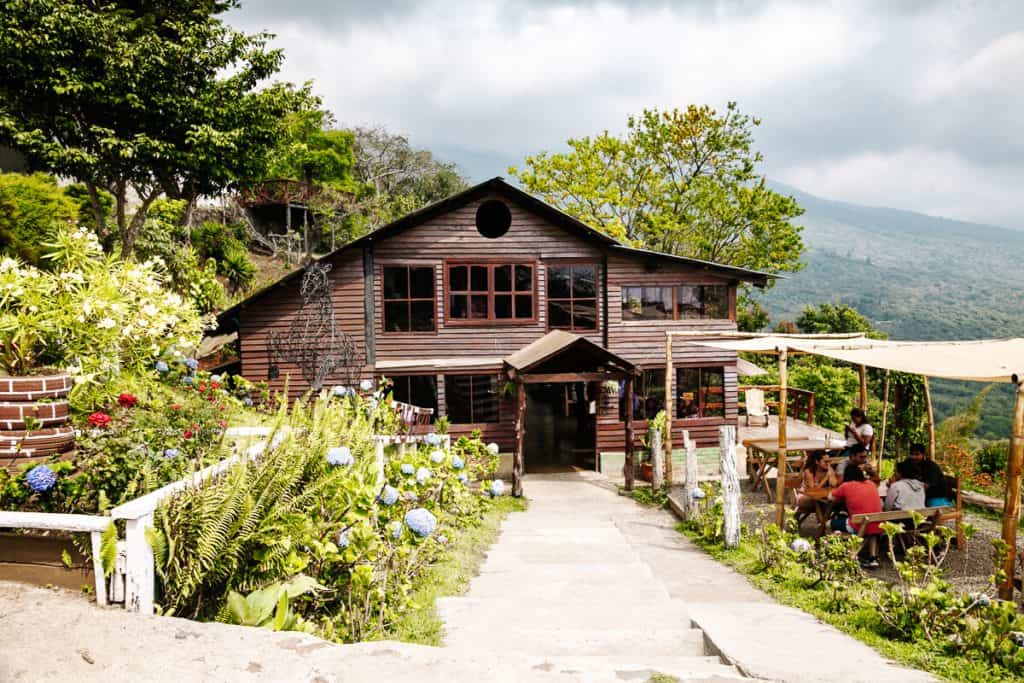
1011 504
669 408
931 419
885 418
864 388
780 468
518 462
628 469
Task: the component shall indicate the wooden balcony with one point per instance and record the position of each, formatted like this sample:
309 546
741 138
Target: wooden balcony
277 191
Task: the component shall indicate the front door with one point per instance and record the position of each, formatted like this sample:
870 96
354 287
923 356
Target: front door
560 426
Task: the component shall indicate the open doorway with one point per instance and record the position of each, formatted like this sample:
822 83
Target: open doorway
561 424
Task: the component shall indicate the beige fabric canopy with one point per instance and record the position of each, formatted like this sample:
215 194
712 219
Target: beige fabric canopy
987 360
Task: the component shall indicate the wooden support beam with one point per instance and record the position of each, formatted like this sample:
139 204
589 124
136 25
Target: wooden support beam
863 388
518 461
629 467
780 467
931 419
880 450
1011 504
555 377
670 408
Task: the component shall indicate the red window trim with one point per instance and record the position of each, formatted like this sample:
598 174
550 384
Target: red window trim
409 301
490 264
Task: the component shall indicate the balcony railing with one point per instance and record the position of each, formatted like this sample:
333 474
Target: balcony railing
277 191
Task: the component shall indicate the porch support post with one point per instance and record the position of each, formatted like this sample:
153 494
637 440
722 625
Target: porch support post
1011 504
931 419
863 388
880 449
780 467
670 408
628 468
518 462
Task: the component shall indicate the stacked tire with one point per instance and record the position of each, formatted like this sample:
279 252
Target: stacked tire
34 416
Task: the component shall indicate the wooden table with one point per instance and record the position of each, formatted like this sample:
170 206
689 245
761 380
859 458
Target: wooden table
762 454
822 507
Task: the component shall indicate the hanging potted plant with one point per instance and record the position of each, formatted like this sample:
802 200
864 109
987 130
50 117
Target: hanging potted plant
33 397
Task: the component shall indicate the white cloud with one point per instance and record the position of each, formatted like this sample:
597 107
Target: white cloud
998 67
934 182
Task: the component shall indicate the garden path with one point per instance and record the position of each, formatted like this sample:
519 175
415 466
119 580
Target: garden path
593 585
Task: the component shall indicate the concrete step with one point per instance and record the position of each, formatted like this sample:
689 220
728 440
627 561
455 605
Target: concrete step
584 642
582 588
543 571
605 669
607 533
554 553
608 613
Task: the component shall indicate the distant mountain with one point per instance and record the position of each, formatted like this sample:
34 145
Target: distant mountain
914 276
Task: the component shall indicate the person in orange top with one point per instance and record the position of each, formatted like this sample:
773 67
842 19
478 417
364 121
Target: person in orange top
861 497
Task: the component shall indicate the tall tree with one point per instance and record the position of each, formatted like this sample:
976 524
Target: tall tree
680 181
138 99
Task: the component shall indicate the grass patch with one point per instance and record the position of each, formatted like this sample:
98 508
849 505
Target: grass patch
860 621
451 576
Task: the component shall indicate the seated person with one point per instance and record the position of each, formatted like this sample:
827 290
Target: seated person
937 492
905 492
861 497
688 406
856 455
858 432
816 474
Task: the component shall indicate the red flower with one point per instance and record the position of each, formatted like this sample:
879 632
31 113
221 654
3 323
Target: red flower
99 419
176 406
202 387
215 385
223 423
188 434
126 400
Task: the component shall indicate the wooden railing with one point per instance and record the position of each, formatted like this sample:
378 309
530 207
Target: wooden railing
801 401
277 191
411 415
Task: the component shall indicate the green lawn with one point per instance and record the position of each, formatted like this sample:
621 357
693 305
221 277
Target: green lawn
451 575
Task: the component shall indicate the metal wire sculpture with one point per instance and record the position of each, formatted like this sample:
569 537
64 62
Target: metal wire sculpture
313 341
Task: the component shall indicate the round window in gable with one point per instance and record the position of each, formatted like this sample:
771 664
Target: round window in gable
493 219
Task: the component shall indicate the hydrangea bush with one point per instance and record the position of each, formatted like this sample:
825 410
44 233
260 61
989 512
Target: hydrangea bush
294 511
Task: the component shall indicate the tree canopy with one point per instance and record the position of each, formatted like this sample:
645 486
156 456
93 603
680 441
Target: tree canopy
682 181
139 100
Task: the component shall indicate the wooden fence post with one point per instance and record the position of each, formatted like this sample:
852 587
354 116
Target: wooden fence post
780 467
880 449
931 419
690 485
730 486
629 465
657 473
518 463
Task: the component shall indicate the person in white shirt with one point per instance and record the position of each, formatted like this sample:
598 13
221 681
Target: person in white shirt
859 431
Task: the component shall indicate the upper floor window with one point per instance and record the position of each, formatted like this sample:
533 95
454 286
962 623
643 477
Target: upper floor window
572 296
409 304
471 399
685 302
491 291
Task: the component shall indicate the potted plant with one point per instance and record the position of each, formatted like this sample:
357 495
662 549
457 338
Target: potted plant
33 397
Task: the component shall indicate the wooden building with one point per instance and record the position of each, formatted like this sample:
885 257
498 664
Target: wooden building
440 299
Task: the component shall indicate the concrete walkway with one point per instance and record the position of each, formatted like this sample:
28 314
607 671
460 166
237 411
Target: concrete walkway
588 581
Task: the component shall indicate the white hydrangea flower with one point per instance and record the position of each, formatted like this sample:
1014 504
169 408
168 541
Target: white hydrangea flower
106 323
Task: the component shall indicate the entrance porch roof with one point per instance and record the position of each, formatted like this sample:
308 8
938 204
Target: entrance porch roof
560 353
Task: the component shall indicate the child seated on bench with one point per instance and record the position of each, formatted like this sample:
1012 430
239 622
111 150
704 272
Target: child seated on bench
905 492
861 497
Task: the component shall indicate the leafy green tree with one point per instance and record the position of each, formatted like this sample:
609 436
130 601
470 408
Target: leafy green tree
31 208
311 149
680 181
139 100
834 319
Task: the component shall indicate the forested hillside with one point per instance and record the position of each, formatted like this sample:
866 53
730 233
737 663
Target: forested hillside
915 277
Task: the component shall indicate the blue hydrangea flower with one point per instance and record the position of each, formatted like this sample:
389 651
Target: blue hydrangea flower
191 363
457 463
437 457
161 366
442 539
423 474
340 455
366 385
247 401
389 496
463 477
171 453
433 439
497 488
40 479
408 469
421 522
411 496
343 539
396 530
188 380
214 378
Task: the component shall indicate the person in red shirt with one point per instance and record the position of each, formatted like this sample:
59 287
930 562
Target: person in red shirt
861 497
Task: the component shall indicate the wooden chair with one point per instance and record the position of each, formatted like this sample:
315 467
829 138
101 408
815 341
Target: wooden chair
956 514
756 406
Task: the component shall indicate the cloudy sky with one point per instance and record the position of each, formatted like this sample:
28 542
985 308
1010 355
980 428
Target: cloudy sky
914 105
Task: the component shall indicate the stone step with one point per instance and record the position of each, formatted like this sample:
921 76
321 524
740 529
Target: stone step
578 588
543 571
496 614
553 641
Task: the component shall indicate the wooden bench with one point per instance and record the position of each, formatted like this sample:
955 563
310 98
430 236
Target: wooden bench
932 518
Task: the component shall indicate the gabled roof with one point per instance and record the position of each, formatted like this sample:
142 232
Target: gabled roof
499 186
557 342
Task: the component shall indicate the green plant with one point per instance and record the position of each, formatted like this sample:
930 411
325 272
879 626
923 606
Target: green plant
238 268
649 496
31 209
992 456
269 607
441 424
773 547
833 565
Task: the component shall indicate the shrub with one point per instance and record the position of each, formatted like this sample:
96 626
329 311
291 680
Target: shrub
992 457
31 208
238 269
